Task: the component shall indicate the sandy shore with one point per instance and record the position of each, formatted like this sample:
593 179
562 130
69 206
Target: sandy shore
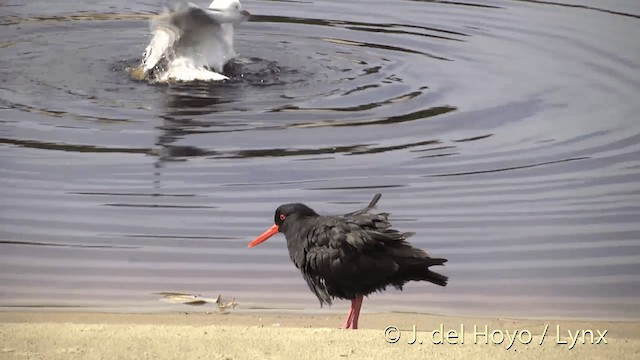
74 335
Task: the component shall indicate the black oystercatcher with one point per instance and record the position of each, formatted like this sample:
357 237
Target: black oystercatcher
352 255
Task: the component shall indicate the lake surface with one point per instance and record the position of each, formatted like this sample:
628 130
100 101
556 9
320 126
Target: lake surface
506 134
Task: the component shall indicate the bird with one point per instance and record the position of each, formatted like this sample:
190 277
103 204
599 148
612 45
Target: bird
350 256
190 43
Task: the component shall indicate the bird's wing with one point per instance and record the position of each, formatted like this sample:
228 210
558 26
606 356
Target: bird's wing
342 258
194 23
376 228
338 253
371 205
164 37
185 25
366 220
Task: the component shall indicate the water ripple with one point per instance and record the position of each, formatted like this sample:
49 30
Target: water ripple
503 133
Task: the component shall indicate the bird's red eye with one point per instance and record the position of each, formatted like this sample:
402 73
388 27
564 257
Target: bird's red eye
283 216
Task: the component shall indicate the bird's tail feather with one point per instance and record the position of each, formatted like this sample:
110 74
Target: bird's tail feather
436 278
371 205
418 270
435 261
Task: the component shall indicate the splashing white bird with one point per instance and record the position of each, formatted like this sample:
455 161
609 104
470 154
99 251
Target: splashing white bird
190 43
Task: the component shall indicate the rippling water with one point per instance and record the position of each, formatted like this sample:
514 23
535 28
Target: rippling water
505 133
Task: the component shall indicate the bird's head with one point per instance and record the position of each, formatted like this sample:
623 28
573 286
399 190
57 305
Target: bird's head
285 214
228 11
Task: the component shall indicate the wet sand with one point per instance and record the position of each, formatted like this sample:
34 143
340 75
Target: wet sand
237 335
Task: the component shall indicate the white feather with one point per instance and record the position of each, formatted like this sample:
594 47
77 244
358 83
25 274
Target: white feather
190 43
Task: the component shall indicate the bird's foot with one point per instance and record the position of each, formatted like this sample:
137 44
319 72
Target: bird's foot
349 325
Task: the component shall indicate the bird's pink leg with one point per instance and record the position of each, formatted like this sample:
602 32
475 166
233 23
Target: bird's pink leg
354 313
349 320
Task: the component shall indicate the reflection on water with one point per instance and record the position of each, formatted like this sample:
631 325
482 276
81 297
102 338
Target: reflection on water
503 133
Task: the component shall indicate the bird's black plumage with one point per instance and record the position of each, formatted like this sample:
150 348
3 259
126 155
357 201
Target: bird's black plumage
354 254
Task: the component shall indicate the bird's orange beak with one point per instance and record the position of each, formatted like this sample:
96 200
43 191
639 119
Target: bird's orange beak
265 235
